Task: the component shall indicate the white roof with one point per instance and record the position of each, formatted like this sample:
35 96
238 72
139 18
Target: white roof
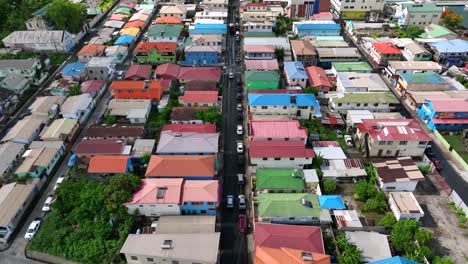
374 246
347 218
76 103
8 153
186 224
99 62
338 168
143 146
208 21
330 153
278 42
310 176
25 128
356 116
35 37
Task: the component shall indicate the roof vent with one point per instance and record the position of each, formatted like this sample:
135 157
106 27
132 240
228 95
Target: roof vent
306 256
167 244
306 203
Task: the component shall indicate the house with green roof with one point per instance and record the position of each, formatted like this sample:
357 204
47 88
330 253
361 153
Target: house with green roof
419 14
280 181
433 31
420 82
261 80
353 66
124 10
372 101
289 208
164 33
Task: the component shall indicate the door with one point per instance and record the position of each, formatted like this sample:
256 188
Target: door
379 154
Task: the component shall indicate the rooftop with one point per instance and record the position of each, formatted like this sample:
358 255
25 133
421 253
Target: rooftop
406 203
139 71
12 198
279 179
169 166
358 66
338 52
451 46
452 105
268 255
372 82
282 100
143 146
199 128
374 246
165 30
295 70
331 202
422 78
277 129
402 169
288 205
108 164
347 218
200 191
302 47
60 127
118 131
100 146
199 97
394 260
318 77
187 142
398 129
261 65
414 65
186 224
386 48
262 75
186 113
158 191
369 97
279 149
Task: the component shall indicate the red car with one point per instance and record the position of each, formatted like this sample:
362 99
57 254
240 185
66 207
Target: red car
242 223
437 164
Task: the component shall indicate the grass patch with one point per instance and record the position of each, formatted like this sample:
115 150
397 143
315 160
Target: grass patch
457 142
461 216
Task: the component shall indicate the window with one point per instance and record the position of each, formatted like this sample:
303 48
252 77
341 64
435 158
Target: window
388 152
340 104
175 262
277 158
389 142
422 143
403 142
264 158
382 143
291 158
264 107
150 259
133 258
391 188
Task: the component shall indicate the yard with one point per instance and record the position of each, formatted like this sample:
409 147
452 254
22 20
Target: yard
459 144
325 133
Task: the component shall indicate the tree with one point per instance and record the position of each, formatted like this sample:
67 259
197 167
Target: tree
410 32
67 15
311 90
279 53
423 237
349 253
75 90
364 190
145 158
282 25
451 20
329 185
444 260
119 190
211 115
425 169
388 221
402 235
110 120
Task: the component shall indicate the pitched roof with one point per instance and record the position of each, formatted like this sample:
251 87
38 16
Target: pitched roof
393 129
422 77
93 49
282 100
137 24
279 179
395 260
12 198
279 149
261 65
401 169
100 146
166 30
200 73
277 129
73 69
158 191
268 255
170 69
259 48
199 128
308 238
142 71
197 48
119 131
451 46
295 70
302 47
436 31
331 202
170 166
108 164
317 77
199 97
200 85
374 246
188 142
92 86
186 113
386 48
168 20
449 104
144 47
288 205
200 191
60 127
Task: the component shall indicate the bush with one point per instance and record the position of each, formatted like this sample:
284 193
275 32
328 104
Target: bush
388 221
329 185
425 170
403 236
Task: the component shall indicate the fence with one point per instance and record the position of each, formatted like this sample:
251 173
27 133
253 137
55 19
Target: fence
458 201
454 154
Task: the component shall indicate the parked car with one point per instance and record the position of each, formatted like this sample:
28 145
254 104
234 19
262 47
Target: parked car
339 134
231 75
242 202
240 160
240 117
239 107
240 130
50 200
239 96
241 226
32 229
429 152
348 140
437 164
240 179
240 147
230 201
59 181
238 59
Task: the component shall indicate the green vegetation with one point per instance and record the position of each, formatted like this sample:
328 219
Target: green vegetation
349 253
373 199
388 221
110 120
55 58
283 25
105 4
311 90
451 20
403 237
279 53
67 15
75 90
444 260
457 142
425 169
145 158
80 228
462 219
329 185
211 116
462 80
410 32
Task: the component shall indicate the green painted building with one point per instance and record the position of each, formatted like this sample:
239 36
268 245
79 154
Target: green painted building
280 180
261 80
289 208
156 52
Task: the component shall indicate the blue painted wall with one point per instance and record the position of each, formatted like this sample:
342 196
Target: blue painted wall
190 208
427 113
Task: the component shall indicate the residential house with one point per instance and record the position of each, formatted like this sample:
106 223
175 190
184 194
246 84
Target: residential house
155 52
15 199
395 68
445 113
164 33
134 111
187 143
208 29
258 16
414 82
356 82
89 51
200 197
304 52
61 130
30 69
327 56
372 101
189 74
435 31
25 130
261 65
265 255
199 98
382 52
15 83
257 27
133 31
130 133
89 148
289 130
316 28
78 107
357 10
277 42
259 52
415 52
74 71
214 4
354 117
198 85
318 78
10 152
289 208
186 115
138 72
117 53
374 246
39 161
178 11
450 52
196 167
295 106
176 248
280 154
167 71
114 24
398 175
347 219
295 74
279 181
208 40
261 80
151 90
93 87
405 206
142 146
39 21
418 14
220 14
394 260
100 68
102 167
59 41
391 138
305 9
329 150
331 202
202 55
343 170
359 66
198 128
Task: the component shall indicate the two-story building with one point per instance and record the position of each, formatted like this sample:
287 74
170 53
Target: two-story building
289 130
415 52
327 56
89 51
356 9
78 107
26 129
164 33
303 51
266 26
391 138
357 82
261 80
178 11
445 113
316 28
202 55
395 68
306 9
152 89
208 29
259 52
40 161
404 206
186 115
280 154
418 14
100 68
30 69
289 208
196 167
418 82
199 98
133 111
295 74
382 52
450 52
187 143
295 106
219 14
318 78
155 52
372 101
59 41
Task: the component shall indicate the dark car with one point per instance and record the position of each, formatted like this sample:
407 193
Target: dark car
429 152
437 164
239 82
240 160
242 223
240 117
239 96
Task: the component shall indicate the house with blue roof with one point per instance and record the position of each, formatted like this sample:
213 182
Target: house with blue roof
331 202
450 52
295 73
124 40
208 29
74 71
202 56
395 260
295 106
314 28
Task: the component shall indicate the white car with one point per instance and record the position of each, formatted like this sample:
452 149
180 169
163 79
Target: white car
231 75
50 200
32 229
242 203
239 107
59 181
240 147
240 130
348 140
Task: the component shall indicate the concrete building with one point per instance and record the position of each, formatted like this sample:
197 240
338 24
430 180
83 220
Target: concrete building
382 52
100 68
374 246
304 52
418 14
355 82
445 114
279 154
78 107
295 106
420 82
42 41
25 130
372 101
135 111
395 68
398 175
295 74
405 206
358 10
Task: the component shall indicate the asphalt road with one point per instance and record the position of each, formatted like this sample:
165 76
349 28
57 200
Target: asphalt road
233 244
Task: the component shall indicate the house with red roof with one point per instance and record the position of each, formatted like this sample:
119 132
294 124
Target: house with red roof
88 148
136 23
199 98
105 165
138 72
198 128
168 20
167 71
382 52
89 51
200 86
93 87
261 65
195 167
269 255
152 89
158 197
188 74
318 78
445 113
280 154
281 130
386 137
155 52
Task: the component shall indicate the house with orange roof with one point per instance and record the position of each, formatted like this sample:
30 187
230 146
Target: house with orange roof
199 98
89 51
268 255
103 165
200 197
196 167
168 20
152 90
155 52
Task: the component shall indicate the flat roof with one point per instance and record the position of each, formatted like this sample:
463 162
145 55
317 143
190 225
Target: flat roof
186 224
279 179
374 246
406 202
369 97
